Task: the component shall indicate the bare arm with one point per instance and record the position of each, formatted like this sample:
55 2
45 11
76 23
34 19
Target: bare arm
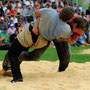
73 38
36 27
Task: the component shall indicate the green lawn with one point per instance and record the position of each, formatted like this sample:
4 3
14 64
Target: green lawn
51 55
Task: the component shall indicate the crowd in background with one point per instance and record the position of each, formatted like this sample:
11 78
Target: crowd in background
15 15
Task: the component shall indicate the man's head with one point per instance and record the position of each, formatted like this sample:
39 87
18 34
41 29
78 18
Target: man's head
66 14
5 30
2 20
12 26
80 25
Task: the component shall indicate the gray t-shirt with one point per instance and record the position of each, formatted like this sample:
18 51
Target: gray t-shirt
51 27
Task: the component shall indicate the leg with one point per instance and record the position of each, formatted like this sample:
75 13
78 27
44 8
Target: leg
34 55
25 56
6 63
64 54
13 53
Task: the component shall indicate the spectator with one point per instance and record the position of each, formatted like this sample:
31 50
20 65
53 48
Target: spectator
1 9
21 28
54 5
29 11
59 9
17 8
75 6
88 11
41 5
36 6
65 3
26 24
9 24
23 11
71 3
11 30
82 41
26 2
52 1
12 12
77 10
4 37
4 7
88 14
18 25
47 2
48 6
6 12
3 24
14 18
6 2
31 4
61 3
9 6
20 18
18 3
13 36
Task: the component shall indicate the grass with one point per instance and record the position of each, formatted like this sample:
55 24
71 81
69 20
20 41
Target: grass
51 55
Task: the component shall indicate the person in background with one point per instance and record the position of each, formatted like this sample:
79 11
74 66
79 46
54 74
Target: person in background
81 41
4 37
1 9
78 10
13 36
17 8
3 24
12 12
11 22
59 9
14 18
11 30
30 12
21 28
25 23
24 11
36 6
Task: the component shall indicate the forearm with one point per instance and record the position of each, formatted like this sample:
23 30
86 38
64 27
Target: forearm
36 27
2 38
72 39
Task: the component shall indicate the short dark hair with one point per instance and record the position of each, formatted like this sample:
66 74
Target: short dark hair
66 14
82 23
5 29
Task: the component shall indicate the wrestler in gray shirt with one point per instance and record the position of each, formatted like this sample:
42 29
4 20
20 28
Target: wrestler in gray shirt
51 26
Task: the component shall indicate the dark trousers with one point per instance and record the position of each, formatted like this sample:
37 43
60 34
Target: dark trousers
63 52
14 51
